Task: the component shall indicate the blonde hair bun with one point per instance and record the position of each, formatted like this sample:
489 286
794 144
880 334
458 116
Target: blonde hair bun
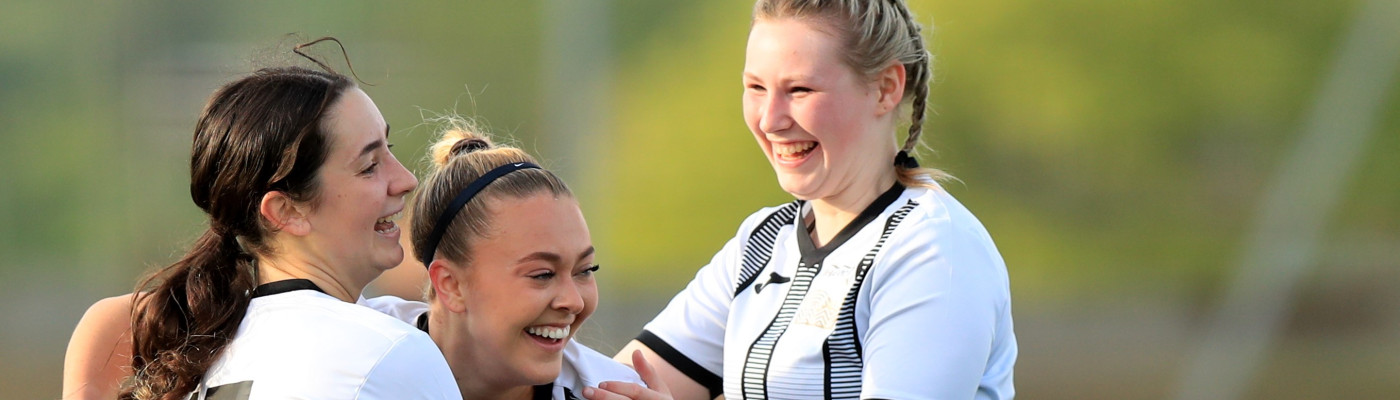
459 137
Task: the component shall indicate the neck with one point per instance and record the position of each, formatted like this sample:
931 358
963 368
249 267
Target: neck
472 379
282 268
496 393
831 214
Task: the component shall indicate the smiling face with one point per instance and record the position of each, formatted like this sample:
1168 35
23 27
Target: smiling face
362 189
527 291
819 122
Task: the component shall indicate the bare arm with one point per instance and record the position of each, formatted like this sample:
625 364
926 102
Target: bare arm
680 385
99 354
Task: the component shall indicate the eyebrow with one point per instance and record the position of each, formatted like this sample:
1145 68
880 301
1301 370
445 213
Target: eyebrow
787 79
372 146
553 258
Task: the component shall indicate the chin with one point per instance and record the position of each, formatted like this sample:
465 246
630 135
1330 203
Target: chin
388 263
390 258
543 373
798 187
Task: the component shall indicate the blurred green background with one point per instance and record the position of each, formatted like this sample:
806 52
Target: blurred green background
1118 151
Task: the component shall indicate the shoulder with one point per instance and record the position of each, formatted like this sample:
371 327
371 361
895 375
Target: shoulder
98 354
766 225
778 215
311 317
308 342
938 236
934 216
410 369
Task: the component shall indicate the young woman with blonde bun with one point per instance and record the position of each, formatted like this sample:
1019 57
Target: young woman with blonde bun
511 265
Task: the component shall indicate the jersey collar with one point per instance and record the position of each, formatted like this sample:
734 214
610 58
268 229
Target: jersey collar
813 254
284 286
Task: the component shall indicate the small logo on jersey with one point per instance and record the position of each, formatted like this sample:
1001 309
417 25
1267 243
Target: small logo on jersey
825 296
773 279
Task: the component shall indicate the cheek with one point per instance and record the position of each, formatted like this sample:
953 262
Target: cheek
493 305
590 299
830 124
751 115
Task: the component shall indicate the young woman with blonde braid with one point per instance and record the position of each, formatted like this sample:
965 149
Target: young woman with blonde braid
875 282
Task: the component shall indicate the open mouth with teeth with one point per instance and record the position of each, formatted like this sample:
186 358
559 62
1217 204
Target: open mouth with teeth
548 334
795 151
386 225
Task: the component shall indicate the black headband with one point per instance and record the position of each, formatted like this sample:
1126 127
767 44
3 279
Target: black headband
426 254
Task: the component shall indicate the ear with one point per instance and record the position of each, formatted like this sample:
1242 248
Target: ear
284 214
450 284
890 83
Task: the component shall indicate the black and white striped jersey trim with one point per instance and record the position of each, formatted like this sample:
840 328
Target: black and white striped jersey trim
758 251
842 349
755 382
759 248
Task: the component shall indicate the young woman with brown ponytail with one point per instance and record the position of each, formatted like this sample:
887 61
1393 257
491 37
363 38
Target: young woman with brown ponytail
875 283
293 169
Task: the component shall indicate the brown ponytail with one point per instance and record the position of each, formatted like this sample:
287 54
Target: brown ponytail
258 134
185 319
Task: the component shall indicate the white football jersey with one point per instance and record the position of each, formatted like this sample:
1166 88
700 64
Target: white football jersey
296 342
582 366
910 301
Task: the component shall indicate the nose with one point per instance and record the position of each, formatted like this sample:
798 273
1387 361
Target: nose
775 115
403 181
568 298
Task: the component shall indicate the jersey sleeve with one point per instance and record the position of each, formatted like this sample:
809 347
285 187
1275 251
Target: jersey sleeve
411 369
689 332
935 306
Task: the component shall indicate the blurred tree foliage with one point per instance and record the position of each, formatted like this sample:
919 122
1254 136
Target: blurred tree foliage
1111 147
1108 145
1115 149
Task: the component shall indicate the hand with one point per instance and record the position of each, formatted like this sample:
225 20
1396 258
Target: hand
613 390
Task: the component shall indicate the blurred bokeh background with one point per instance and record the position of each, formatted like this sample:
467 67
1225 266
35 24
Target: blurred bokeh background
1195 199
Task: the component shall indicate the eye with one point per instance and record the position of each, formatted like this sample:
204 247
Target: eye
757 88
801 89
586 272
373 166
543 276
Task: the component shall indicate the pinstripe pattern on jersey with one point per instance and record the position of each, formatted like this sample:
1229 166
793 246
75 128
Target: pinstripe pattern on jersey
759 249
755 373
842 349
